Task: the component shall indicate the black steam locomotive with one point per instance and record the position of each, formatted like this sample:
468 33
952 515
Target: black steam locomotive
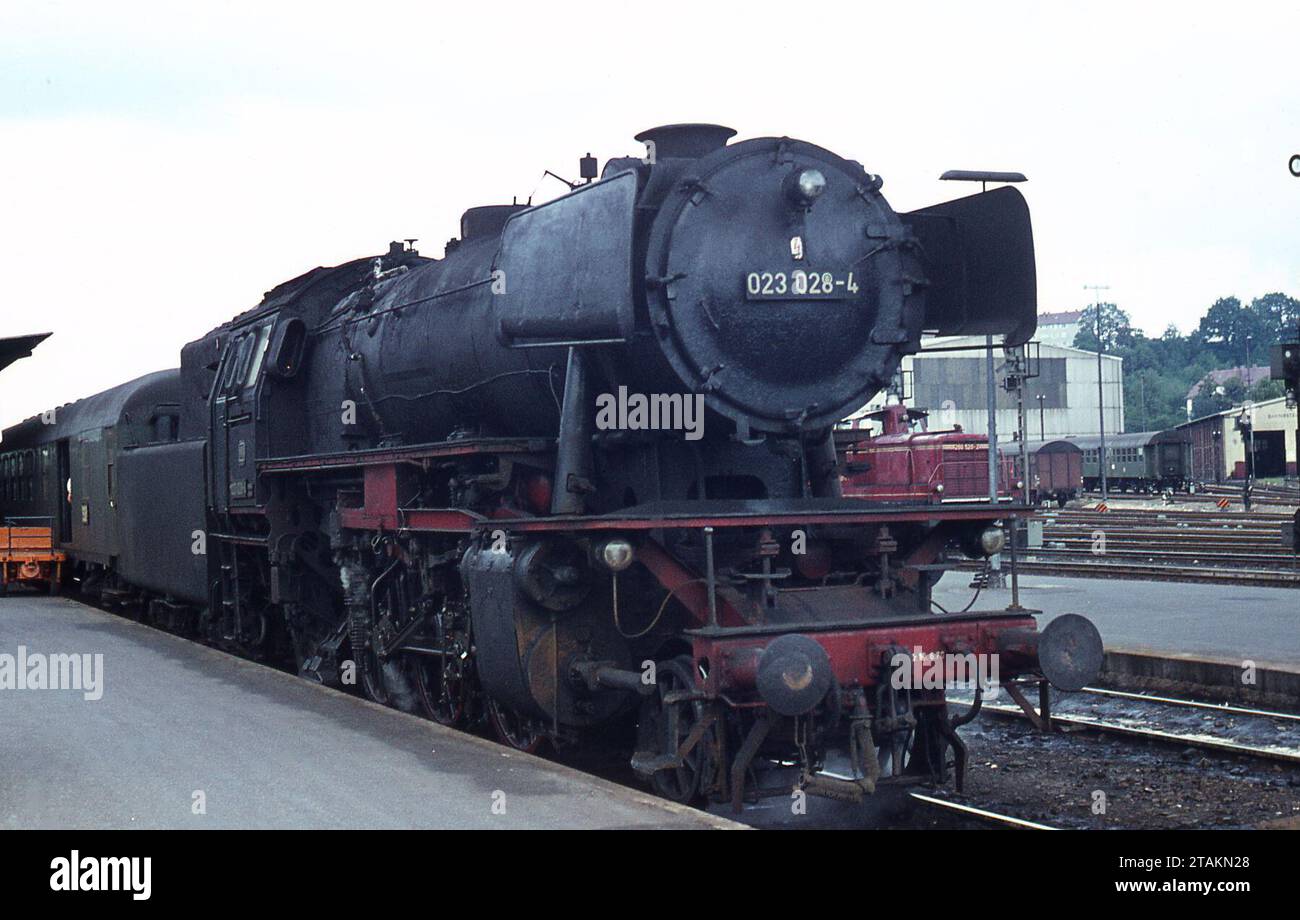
400 469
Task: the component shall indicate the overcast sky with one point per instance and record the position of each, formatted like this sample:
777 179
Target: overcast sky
160 169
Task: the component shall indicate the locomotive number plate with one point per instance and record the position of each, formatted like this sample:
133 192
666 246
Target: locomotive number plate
799 285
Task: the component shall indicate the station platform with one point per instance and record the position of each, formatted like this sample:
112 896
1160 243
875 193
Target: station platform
178 725
1222 622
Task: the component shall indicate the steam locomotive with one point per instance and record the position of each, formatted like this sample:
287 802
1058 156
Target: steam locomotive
395 469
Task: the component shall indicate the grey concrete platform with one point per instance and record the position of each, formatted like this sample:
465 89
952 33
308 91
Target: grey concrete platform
265 749
1224 622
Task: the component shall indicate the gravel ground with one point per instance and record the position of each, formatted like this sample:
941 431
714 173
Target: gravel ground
1056 780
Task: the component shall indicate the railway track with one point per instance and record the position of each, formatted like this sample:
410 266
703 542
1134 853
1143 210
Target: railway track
980 815
1194 554
1283 498
1213 547
1156 572
1267 493
1207 517
1255 733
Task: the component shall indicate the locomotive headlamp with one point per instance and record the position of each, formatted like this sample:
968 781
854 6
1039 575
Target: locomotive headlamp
992 540
811 183
617 554
805 186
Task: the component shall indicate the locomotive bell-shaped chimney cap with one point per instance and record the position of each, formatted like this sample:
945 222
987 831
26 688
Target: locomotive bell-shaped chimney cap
687 141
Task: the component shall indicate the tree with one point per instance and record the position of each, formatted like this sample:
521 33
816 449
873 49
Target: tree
1267 389
1116 328
1158 372
1214 397
1279 315
1227 326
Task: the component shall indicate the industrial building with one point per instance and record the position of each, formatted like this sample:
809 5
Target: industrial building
1220 445
1060 401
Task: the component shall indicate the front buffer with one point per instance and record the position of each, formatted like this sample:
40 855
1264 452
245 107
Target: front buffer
855 705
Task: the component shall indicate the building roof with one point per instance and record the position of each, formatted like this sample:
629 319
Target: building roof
1254 374
976 344
19 346
1060 319
1235 410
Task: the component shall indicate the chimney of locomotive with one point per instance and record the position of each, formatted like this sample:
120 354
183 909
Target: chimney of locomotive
687 142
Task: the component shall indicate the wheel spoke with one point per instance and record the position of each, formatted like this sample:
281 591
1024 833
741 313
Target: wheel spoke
668 725
519 732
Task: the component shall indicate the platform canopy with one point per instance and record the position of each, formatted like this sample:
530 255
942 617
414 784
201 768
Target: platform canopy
19 346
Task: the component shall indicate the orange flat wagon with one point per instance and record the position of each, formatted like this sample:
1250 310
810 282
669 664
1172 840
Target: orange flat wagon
27 555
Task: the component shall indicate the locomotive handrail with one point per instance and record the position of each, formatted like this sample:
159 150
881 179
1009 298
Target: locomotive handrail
852 512
923 619
411 453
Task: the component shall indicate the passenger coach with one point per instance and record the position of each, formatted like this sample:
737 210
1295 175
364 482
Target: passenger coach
122 493
1142 461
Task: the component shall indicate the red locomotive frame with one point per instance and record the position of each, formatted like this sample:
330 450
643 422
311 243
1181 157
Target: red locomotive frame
727 643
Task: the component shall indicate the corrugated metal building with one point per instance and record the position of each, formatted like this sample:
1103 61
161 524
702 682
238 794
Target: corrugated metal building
1219 449
951 386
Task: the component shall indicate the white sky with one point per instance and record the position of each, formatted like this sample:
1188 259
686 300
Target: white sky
161 168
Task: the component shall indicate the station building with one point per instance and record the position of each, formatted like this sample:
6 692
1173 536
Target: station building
1220 447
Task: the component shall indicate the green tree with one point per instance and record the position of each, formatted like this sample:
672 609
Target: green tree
1267 389
1227 327
1116 328
1214 397
1278 315
1158 372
